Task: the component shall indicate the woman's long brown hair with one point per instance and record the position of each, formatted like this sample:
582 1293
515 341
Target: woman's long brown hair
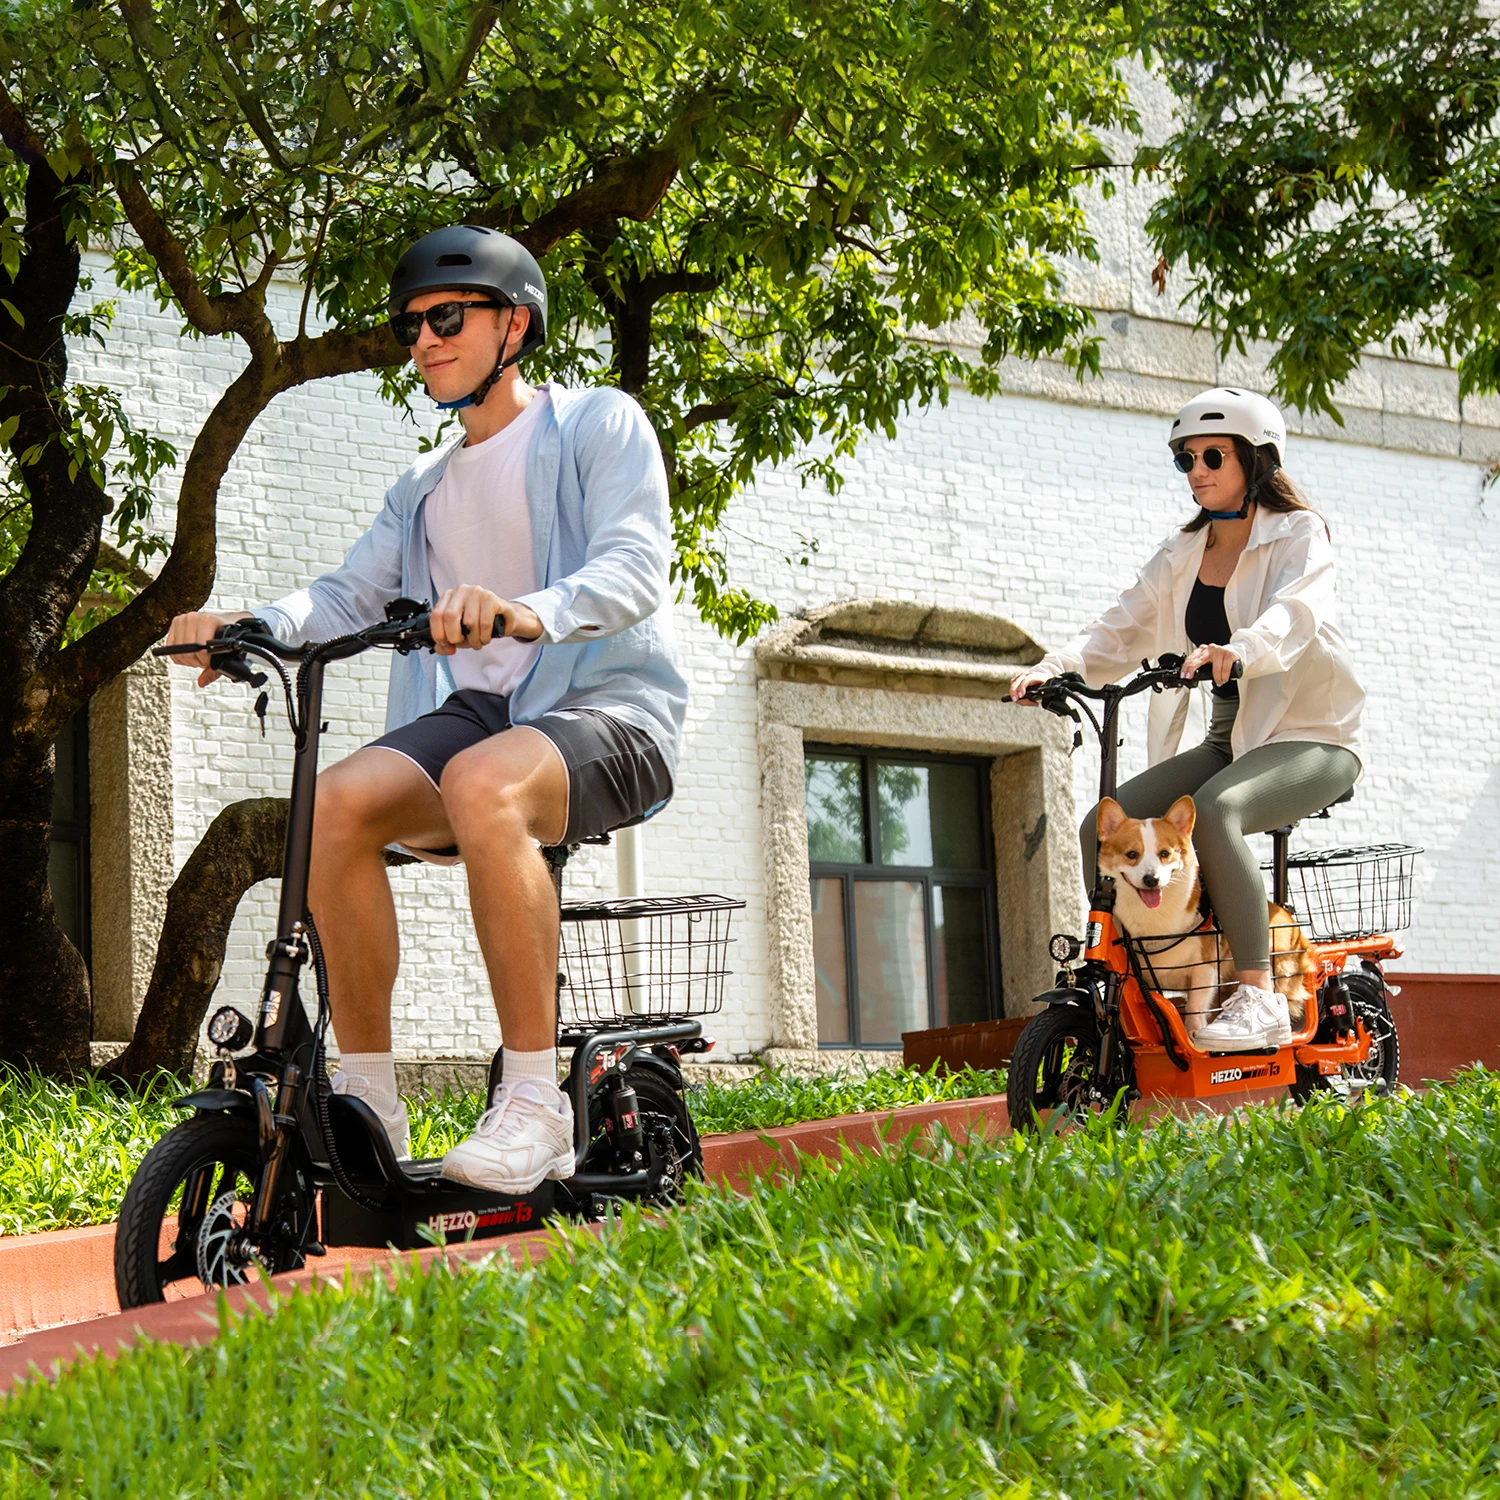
1274 493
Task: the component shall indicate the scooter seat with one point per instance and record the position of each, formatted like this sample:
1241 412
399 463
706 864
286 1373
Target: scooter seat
1337 802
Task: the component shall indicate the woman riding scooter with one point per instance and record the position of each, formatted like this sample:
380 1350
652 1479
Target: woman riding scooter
1248 580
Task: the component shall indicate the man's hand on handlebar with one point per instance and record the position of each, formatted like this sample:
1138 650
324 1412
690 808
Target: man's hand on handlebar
1223 660
186 630
468 615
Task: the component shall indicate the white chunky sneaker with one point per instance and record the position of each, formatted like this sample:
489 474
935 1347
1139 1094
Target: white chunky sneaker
396 1121
1250 1018
524 1136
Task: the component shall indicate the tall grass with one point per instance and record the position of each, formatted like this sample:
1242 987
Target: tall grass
67 1151
1274 1305
774 1097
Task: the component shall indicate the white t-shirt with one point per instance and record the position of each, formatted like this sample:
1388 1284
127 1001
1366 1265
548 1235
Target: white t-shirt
479 532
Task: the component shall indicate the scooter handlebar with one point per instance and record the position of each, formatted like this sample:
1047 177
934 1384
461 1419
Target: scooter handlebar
1055 691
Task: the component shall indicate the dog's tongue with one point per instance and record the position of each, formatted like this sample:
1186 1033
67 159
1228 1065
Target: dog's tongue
1151 898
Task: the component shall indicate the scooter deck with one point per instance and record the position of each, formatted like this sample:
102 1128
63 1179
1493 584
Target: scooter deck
1212 1073
424 1209
419 1207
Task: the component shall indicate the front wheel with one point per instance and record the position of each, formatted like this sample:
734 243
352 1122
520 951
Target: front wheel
181 1220
1054 1066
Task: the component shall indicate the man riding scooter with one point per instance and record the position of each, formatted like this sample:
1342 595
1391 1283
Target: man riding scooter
549 516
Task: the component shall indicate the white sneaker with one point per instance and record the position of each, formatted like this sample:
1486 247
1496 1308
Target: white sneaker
396 1121
525 1135
1250 1018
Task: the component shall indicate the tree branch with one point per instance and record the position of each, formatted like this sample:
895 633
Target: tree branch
231 312
241 847
246 98
25 144
628 187
709 411
187 577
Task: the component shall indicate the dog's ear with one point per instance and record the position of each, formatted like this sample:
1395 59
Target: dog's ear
1182 814
1111 815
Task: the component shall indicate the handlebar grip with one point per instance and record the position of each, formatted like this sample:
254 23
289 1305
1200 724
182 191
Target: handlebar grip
497 633
1205 673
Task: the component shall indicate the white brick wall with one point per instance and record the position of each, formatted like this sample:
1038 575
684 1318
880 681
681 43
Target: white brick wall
1037 509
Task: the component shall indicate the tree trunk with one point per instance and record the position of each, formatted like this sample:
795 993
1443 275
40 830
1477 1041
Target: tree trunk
242 847
36 960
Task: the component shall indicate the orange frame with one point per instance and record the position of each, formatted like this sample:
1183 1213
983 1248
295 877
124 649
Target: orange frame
1158 1077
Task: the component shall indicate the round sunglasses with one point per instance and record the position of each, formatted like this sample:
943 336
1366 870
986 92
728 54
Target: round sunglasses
445 320
1213 458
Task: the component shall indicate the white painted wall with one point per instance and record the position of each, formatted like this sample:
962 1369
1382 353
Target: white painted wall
1036 506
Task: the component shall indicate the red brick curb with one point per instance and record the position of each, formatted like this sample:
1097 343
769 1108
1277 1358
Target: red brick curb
195 1320
77 1290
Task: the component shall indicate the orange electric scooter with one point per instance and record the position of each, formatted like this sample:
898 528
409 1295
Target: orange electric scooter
1109 1030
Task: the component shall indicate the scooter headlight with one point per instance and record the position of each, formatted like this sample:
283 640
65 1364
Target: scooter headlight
228 1029
1064 948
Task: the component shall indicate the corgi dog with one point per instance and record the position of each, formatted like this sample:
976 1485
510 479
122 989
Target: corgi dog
1157 899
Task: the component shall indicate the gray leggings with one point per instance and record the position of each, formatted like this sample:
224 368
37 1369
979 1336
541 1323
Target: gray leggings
1265 788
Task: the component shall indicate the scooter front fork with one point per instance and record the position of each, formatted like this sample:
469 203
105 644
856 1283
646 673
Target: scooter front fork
276 1127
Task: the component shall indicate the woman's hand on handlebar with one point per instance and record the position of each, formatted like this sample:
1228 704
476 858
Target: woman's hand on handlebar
1023 682
186 630
468 615
1223 660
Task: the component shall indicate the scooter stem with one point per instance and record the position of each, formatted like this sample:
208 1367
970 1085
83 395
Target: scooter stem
289 952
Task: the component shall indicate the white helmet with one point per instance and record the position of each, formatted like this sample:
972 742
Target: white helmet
1227 412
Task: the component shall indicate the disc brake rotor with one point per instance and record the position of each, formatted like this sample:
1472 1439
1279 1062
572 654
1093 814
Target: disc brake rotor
221 1262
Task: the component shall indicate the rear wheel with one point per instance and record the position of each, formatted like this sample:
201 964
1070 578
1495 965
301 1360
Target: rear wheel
182 1216
673 1151
1378 1072
1053 1066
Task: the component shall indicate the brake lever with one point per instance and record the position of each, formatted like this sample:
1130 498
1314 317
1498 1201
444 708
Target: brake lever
236 665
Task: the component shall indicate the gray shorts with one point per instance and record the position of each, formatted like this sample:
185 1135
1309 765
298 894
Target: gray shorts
617 774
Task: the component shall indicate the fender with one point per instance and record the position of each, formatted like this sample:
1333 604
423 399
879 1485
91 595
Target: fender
1081 998
668 1069
212 1100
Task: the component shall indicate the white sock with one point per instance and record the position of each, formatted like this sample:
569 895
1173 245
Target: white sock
517 1067
378 1069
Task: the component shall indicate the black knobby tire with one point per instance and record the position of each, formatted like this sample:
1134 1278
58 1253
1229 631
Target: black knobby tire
1052 1066
1378 1073
672 1144
215 1159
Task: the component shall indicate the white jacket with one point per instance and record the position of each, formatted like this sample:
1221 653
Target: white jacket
1299 682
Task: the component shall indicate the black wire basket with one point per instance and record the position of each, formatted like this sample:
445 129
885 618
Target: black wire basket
1180 965
1340 895
656 958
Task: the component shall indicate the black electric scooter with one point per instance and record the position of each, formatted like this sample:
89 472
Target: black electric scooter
273 1167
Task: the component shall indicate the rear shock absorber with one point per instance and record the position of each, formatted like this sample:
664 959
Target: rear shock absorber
625 1116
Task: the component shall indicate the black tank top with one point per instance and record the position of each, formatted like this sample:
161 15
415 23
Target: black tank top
1207 624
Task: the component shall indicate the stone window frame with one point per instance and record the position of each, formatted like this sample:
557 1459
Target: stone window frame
131 838
896 675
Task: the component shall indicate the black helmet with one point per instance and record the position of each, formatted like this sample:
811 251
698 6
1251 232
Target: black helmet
466 257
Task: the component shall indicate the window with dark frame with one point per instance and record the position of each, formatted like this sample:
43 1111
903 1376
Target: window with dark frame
903 893
68 862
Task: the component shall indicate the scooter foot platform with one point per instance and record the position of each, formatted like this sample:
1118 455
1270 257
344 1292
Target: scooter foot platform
425 1209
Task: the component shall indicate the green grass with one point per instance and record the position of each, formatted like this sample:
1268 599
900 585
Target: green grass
67 1151
1275 1305
779 1098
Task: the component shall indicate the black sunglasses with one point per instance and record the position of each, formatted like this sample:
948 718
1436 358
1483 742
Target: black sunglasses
445 320
1213 458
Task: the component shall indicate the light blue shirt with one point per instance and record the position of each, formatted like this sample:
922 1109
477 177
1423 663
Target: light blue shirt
596 488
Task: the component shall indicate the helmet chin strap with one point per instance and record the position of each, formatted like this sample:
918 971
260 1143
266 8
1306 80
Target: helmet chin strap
1244 510
477 395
